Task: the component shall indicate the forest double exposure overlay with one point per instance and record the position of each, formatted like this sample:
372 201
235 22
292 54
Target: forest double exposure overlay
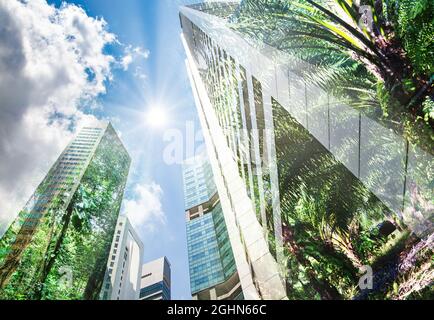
355 68
353 144
62 254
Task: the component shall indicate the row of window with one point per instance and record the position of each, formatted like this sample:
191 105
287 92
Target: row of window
222 80
112 264
77 149
223 86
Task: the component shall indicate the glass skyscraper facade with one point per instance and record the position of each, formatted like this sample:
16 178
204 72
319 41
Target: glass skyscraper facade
59 245
305 181
199 184
212 266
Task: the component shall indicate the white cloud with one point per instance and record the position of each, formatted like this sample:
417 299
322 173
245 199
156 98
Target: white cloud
51 62
133 54
140 74
126 61
140 52
145 210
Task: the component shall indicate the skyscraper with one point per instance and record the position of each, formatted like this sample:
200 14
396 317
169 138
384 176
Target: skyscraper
124 266
256 268
156 280
303 179
59 245
213 272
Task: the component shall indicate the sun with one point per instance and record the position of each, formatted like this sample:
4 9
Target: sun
156 117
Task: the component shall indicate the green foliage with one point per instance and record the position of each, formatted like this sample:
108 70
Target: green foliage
368 245
329 216
427 293
413 21
74 238
428 109
397 54
328 212
383 98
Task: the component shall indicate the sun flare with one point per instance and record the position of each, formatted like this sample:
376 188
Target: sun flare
156 117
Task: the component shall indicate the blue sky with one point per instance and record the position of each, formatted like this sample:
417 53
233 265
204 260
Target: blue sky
152 25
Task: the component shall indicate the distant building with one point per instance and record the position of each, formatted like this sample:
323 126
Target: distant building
123 274
156 280
213 272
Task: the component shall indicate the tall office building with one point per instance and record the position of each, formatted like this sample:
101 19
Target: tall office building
124 266
302 177
213 272
256 268
59 245
156 280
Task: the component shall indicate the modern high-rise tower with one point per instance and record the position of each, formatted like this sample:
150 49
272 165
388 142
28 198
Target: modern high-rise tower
156 282
124 266
305 181
256 269
59 245
213 271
